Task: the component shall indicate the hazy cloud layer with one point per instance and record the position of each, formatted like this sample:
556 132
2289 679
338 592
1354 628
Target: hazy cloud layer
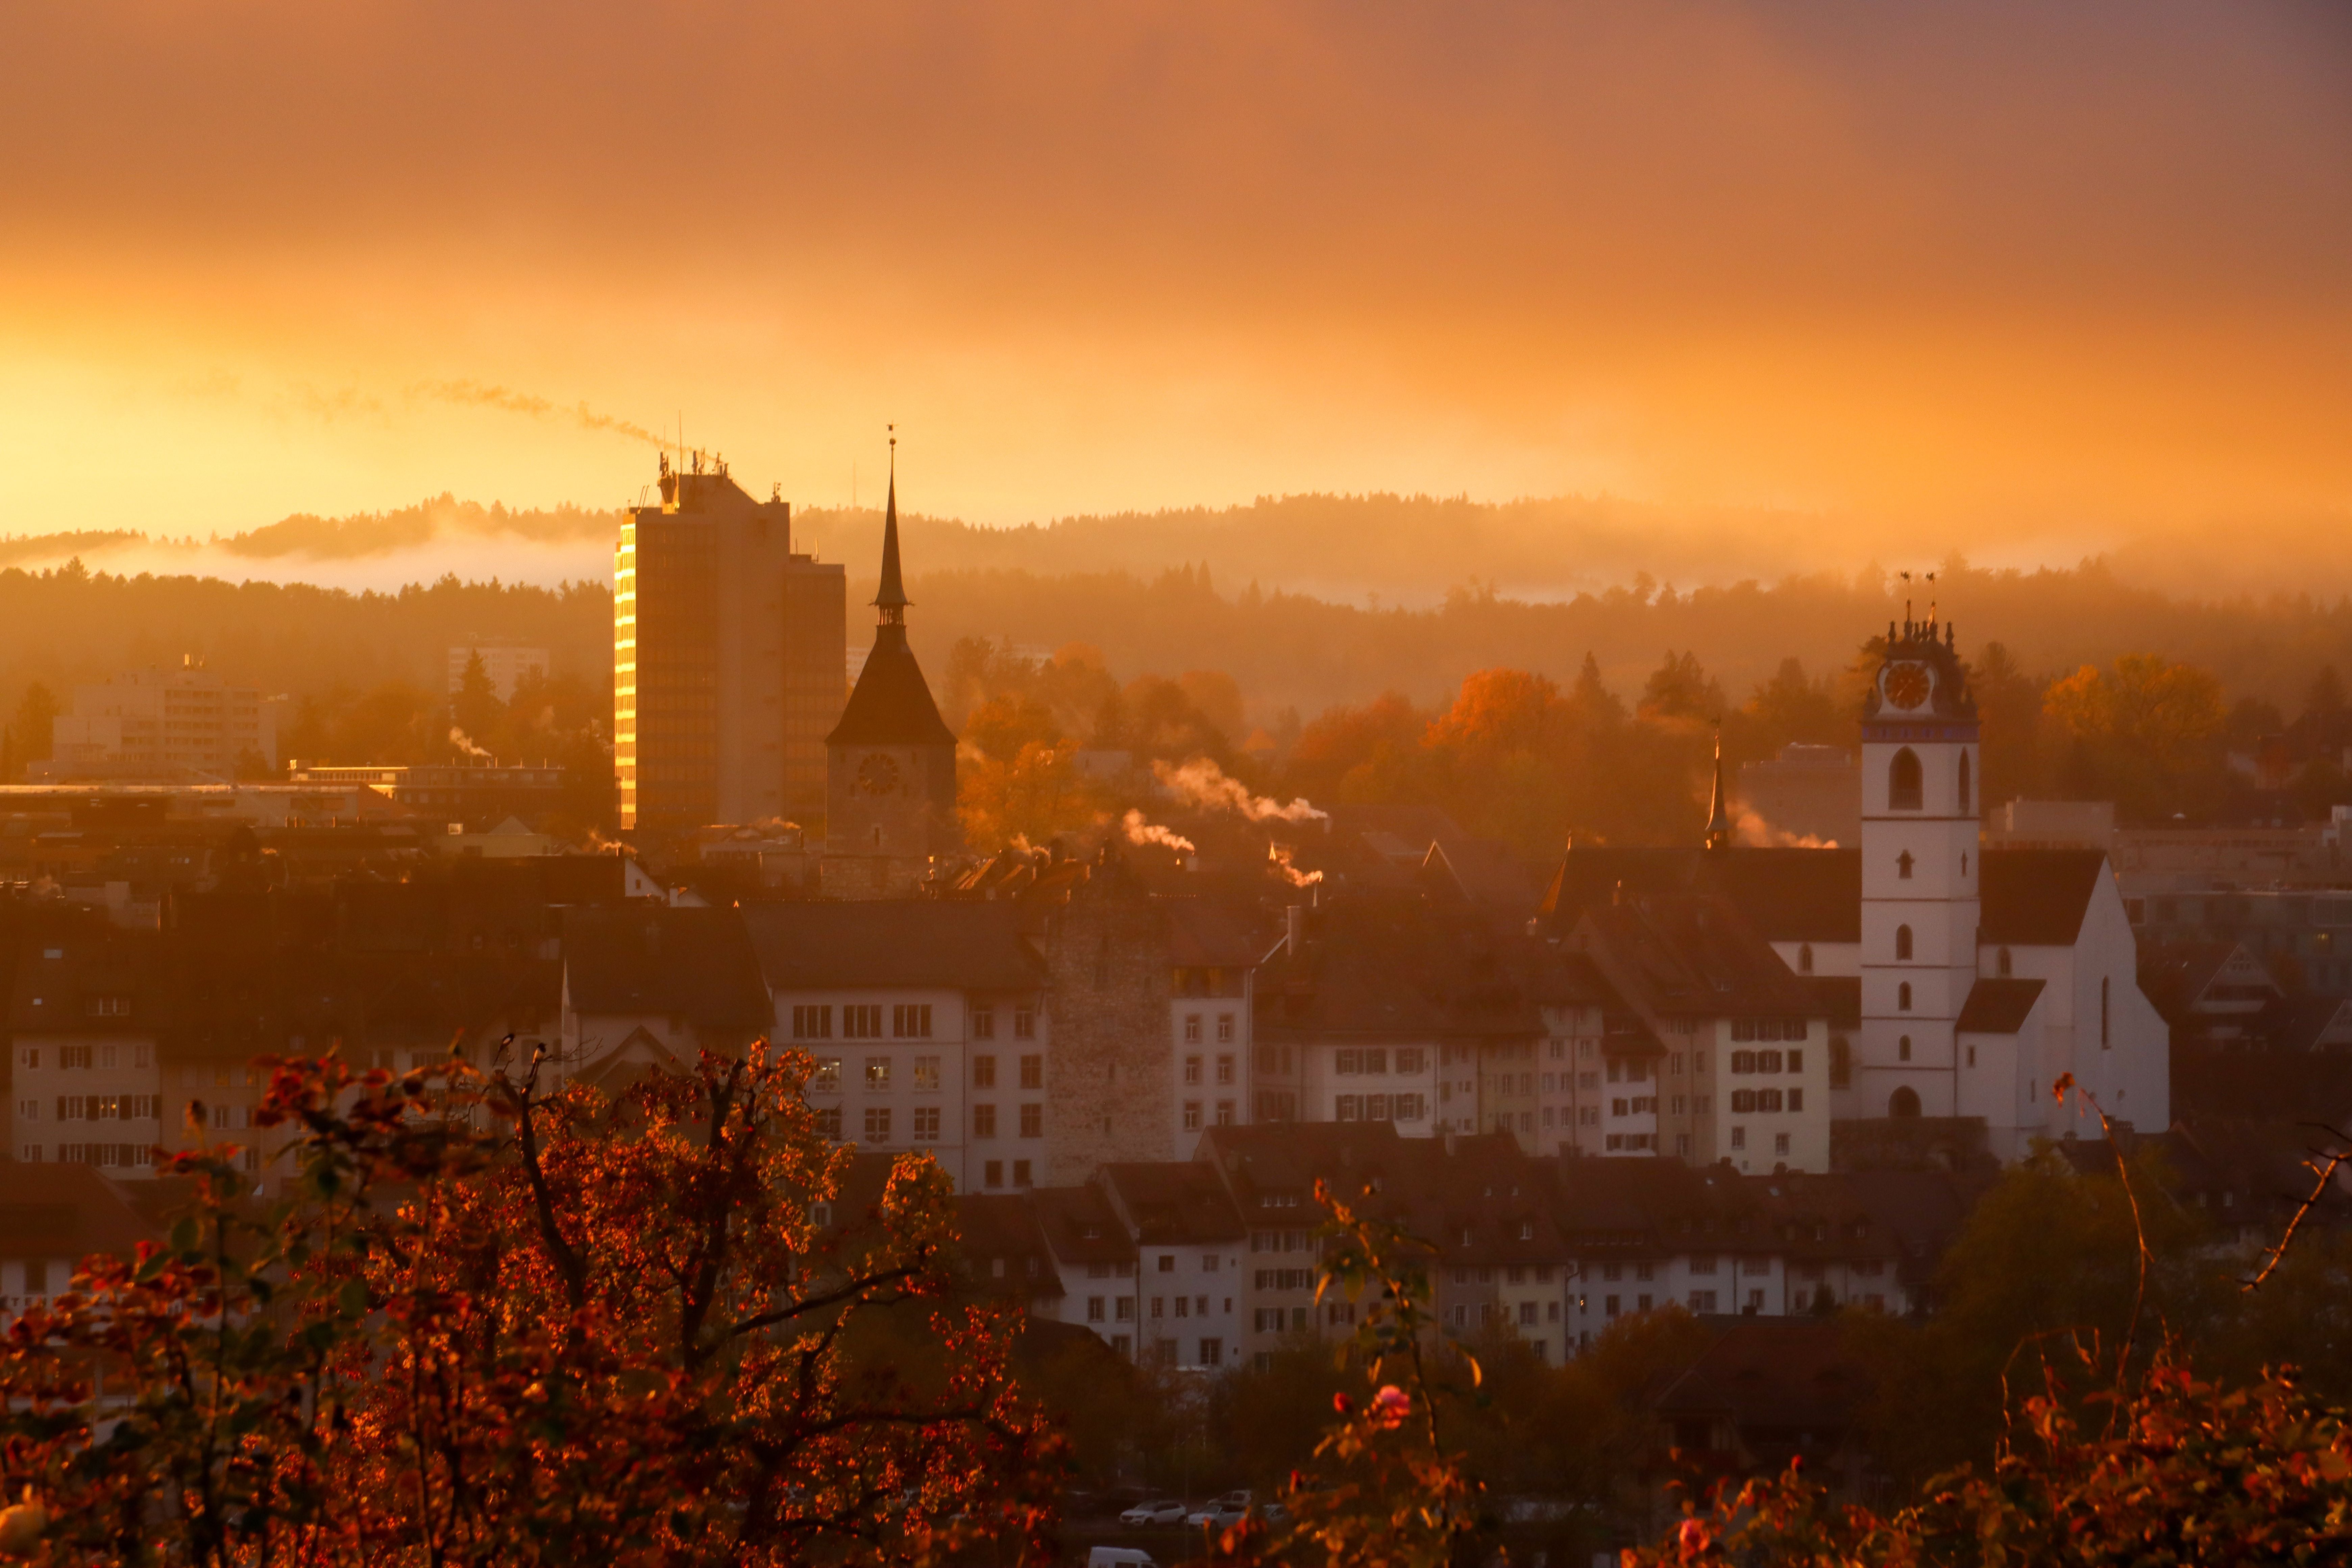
2003 276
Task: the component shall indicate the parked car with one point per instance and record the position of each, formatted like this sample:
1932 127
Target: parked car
1222 1513
1165 1511
1119 1557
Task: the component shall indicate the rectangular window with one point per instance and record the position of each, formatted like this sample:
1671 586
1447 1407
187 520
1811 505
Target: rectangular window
1376 1108
1350 1108
1033 1120
878 1124
1191 1029
1795 1061
1033 1072
1409 1059
1191 1069
1192 1116
992 1174
1780 1142
1225 1113
1225 1070
862 1021
927 1072
826 1080
877 1074
1095 1314
1224 1028
828 1123
1024 1023
1739 1137
1349 1062
812 1021
926 1124
910 1021
984 1072
1796 1100
983 1023
1376 1059
983 1121
73 1056
1702 1300
1020 1179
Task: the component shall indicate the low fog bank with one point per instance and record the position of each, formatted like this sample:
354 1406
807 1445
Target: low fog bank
1376 549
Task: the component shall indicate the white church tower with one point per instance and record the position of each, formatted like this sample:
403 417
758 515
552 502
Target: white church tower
1920 864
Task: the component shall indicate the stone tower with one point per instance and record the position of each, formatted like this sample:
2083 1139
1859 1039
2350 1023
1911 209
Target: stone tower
1920 864
890 763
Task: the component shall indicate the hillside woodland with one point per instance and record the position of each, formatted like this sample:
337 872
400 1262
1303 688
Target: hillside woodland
1530 721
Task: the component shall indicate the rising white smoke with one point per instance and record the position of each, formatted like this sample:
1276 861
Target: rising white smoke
465 742
1141 832
1279 856
1759 833
1202 785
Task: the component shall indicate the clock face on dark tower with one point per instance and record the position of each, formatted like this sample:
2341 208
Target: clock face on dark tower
877 775
1908 686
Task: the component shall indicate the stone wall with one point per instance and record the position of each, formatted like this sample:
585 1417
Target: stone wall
1109 1064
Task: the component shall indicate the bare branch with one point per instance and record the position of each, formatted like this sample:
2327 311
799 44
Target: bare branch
2323 1164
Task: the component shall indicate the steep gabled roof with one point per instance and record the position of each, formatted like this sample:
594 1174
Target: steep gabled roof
690 963
2037 898
55 1210
891 705
1173 1202
1998 1006
1786 895
950 944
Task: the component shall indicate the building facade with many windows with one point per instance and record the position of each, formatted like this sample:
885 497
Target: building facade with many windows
727 659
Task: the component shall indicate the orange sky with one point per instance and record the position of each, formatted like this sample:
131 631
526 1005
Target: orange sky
2007 269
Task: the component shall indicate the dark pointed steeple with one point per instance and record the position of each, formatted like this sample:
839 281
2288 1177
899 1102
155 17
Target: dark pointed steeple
1719 811
891 704
891 596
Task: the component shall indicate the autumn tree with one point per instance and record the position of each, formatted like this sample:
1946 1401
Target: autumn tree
2145 733
495 1322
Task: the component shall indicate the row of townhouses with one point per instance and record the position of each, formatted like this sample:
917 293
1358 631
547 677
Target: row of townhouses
1211 1262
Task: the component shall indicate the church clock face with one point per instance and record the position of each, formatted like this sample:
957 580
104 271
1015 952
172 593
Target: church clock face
1908 686
877 775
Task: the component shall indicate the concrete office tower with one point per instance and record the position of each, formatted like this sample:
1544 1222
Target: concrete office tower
161 724
727 659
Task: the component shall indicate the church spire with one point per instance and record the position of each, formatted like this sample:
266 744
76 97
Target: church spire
891 596
1718 812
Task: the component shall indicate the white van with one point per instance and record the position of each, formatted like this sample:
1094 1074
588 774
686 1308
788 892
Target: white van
1120 1557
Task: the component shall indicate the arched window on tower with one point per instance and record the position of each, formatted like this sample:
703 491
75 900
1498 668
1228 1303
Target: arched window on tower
1903 864
2006 965
2104 1041
1902 942
1903 1049
1805 958
1965 792
1903 998
1903 781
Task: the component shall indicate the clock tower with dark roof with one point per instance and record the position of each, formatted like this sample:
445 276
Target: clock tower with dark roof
890 763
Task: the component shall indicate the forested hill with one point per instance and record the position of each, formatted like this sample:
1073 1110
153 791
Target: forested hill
70 624
1285 649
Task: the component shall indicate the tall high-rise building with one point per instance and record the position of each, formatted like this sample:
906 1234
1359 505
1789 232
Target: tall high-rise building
727 653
